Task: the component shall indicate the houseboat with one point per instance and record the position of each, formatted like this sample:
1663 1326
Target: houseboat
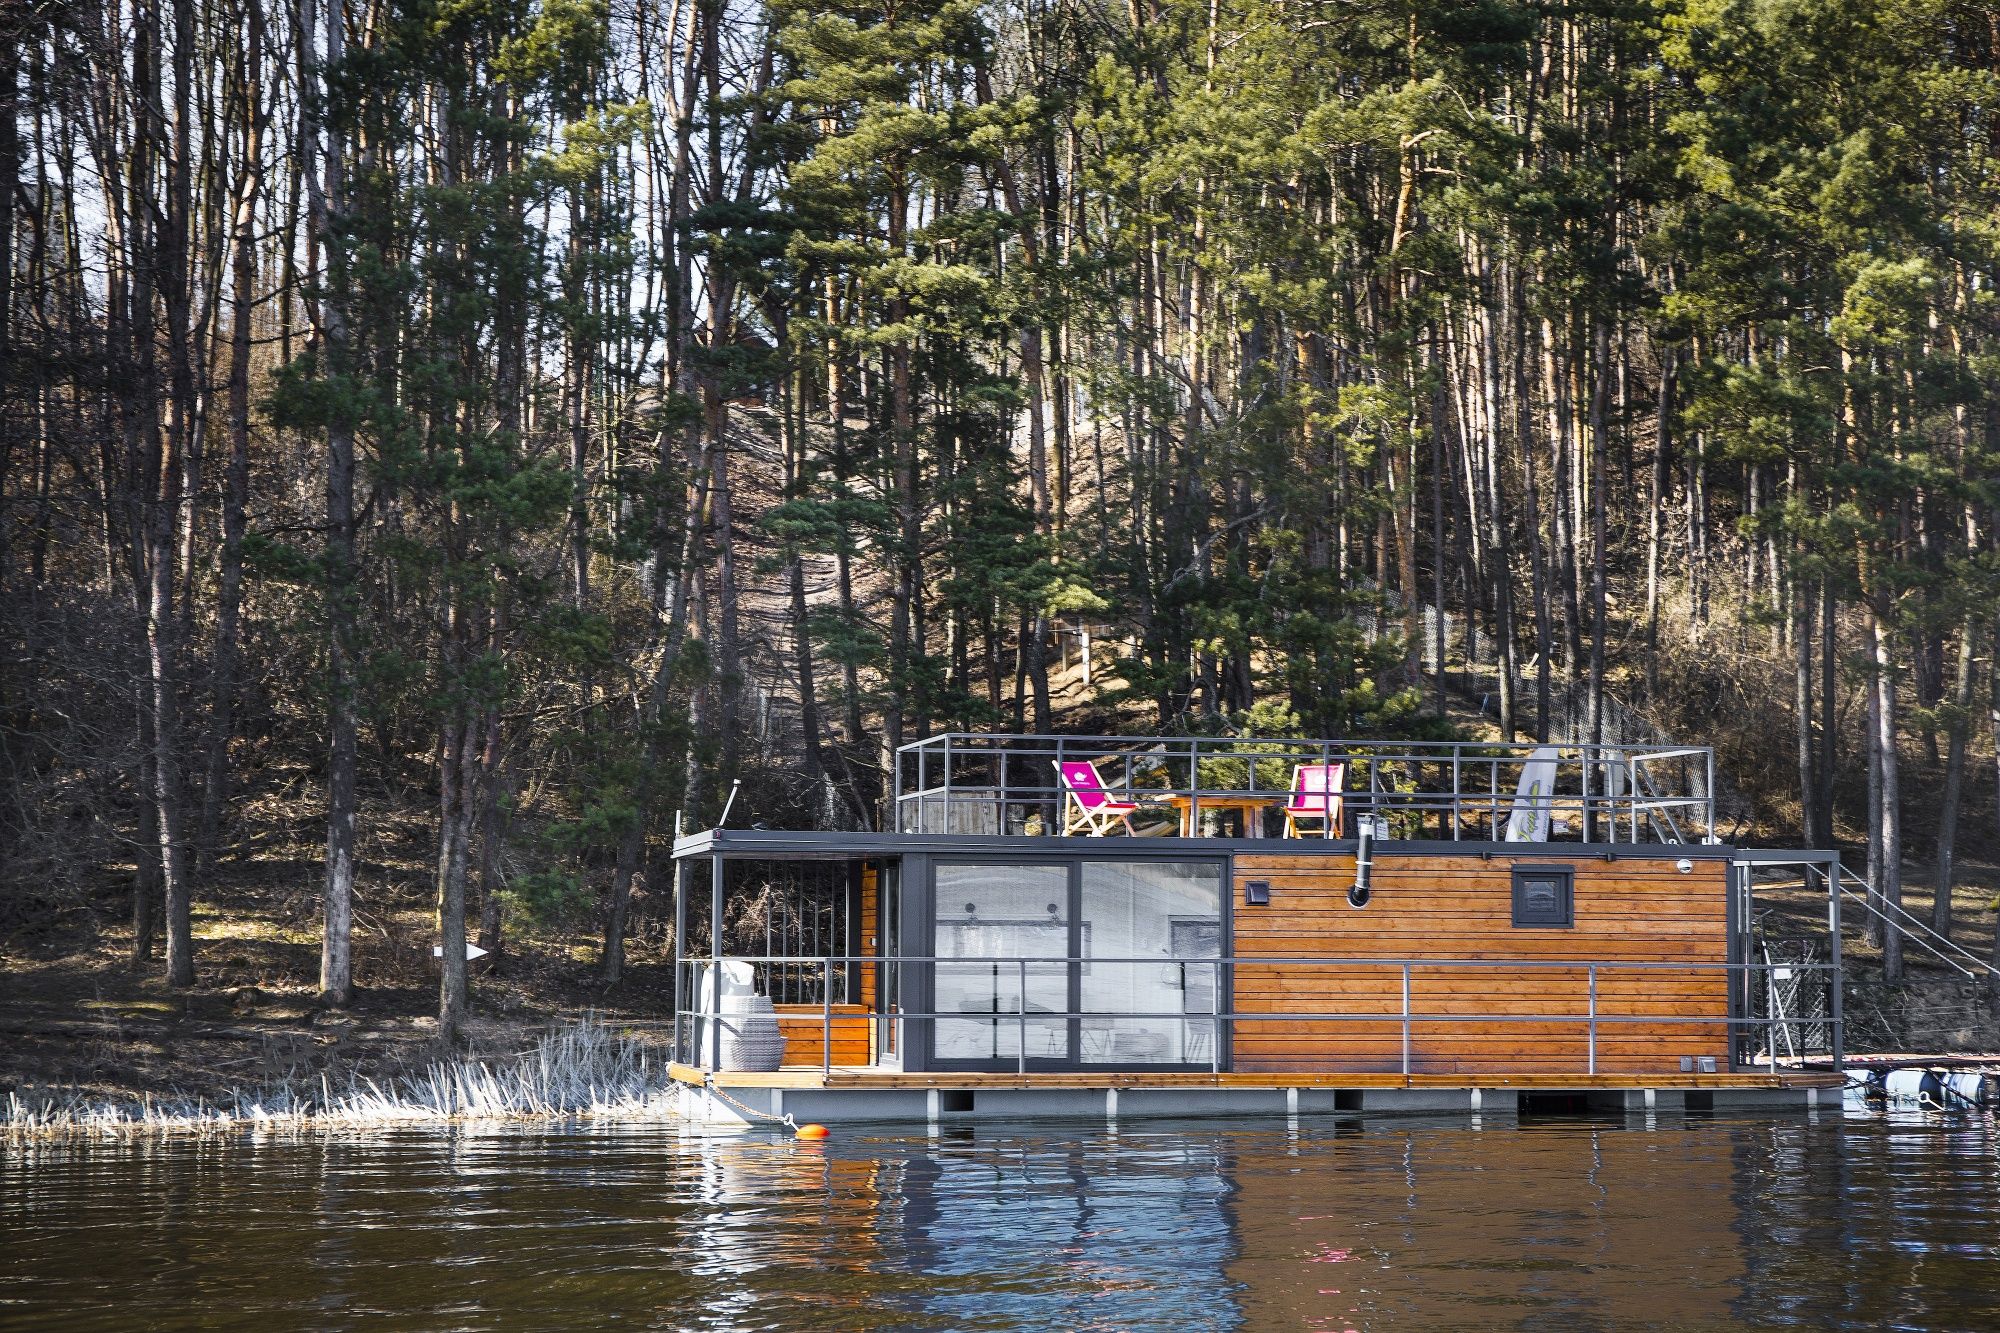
1148 926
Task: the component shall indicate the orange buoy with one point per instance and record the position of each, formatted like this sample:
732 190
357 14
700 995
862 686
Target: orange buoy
812 1131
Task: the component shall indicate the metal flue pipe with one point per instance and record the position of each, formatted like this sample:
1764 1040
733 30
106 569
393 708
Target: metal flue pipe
1364 862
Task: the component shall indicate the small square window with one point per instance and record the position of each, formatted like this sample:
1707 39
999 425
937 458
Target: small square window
1544 896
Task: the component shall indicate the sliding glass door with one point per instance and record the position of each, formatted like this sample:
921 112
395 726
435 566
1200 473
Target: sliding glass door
1159 1011
1077 963
1011 925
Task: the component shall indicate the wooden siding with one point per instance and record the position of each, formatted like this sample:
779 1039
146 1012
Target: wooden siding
870 942
1461 907
803 1025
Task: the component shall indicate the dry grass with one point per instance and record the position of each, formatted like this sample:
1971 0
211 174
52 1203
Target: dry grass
581 1069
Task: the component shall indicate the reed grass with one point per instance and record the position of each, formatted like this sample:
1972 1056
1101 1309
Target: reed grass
581 1069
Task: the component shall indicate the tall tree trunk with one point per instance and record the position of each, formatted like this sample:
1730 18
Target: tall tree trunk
492 819
721 300
236 487
167 261
328 206
1993 719
457 784
166 773
1656 513
1802 717
1829 731
1600 553
1891 884
1873 750
1954 781
906 575
146 875
1538 566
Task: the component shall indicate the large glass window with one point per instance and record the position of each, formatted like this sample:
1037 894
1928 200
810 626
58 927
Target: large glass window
1087 962
1160 1008
1011 925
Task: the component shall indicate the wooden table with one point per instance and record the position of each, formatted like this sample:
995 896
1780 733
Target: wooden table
1248 807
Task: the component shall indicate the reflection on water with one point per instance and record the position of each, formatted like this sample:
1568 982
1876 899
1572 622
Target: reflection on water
1559 1224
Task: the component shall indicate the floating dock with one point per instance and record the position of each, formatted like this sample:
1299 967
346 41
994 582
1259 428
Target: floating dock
845 1095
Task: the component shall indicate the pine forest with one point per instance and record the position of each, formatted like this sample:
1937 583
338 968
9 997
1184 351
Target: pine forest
447 445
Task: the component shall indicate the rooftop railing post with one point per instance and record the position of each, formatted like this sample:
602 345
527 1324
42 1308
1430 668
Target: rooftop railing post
1406 1020
1631 796
1194 787
1003 771
1493 798
825 1017
1583 784
1062 798
1636 806
1329 826
1708 795
1457 790
1593 1018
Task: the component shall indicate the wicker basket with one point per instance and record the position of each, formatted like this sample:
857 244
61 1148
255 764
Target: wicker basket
751 1042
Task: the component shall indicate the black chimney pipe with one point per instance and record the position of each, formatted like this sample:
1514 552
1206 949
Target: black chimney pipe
1364 863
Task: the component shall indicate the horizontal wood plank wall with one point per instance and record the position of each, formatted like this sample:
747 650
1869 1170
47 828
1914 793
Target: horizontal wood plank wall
871 930
870 942
802 1026
1460 906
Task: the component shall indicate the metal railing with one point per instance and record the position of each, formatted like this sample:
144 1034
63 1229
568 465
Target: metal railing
699 1032
976 783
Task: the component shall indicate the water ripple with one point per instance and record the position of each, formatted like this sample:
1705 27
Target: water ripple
1695 1223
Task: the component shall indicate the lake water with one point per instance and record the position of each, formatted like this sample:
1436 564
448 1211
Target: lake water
1383 1223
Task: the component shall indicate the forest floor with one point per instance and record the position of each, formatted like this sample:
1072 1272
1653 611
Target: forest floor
76 1015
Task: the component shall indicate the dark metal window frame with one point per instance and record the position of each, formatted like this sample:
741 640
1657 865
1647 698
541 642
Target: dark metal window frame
918 1055
1565 879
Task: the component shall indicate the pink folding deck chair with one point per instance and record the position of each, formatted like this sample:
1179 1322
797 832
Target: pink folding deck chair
1087 806
1315 795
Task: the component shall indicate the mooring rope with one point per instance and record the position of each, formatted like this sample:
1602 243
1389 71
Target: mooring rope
708 1082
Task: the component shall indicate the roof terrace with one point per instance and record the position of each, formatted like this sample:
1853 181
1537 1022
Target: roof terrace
1257 787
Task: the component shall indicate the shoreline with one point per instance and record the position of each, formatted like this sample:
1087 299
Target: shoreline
574 1070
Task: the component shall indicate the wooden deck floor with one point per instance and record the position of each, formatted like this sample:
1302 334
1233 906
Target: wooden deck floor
847 1076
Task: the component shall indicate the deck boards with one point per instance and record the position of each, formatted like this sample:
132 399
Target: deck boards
897 1079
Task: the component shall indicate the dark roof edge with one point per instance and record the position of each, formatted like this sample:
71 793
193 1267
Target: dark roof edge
781 842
